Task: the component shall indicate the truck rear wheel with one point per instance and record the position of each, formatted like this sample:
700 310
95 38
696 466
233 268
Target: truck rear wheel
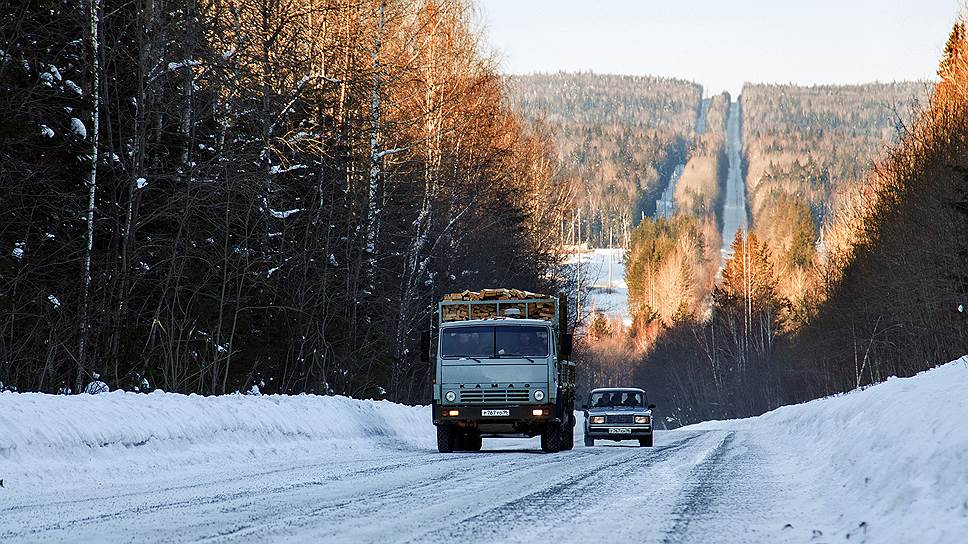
472 442
568 441
551 438
445 439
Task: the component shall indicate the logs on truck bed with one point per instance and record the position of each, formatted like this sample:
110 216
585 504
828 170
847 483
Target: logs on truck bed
494 294
535 310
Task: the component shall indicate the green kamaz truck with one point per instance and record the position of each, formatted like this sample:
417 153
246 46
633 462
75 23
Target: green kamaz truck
503 370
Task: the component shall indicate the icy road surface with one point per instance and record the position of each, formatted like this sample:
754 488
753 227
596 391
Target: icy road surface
734 209
883 465
692 487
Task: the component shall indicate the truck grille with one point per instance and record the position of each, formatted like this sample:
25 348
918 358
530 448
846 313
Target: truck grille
619 418
494 396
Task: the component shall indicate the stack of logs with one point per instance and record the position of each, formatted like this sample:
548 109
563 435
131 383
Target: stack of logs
480 309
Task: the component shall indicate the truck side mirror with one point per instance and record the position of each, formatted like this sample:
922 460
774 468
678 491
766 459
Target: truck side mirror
584 407
567 341
425 346
651 406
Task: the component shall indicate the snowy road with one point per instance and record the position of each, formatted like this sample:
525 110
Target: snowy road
879 465
692 487
734 209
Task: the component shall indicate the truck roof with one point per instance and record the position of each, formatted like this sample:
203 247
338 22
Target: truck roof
497 321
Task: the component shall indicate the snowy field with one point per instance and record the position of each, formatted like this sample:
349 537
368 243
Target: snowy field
882 465
603 272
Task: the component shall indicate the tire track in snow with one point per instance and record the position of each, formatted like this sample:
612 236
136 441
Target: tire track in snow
74 503
448 491
335 473
413 496
698 493
430 499
563 499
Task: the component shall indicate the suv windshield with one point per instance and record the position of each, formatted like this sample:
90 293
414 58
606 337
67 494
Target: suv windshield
611 399
495 342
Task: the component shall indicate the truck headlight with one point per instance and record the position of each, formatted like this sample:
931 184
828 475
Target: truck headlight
597 419
450 396
539 395
643 420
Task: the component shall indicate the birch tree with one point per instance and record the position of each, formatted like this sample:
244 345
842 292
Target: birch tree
94 46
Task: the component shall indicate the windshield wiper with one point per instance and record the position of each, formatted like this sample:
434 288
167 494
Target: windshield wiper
516 357
471 358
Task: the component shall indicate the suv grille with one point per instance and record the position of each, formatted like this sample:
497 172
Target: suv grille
620 418
494 396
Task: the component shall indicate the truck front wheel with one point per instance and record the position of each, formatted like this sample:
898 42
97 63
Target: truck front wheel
445 438
551 438
646 442
589 441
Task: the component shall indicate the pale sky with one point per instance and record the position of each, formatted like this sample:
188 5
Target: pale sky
723 43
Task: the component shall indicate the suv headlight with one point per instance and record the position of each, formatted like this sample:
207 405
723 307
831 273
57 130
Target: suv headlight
597 420
643 420
539 395
450 396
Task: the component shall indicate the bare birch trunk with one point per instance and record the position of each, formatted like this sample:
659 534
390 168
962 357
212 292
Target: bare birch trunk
94 42
373 190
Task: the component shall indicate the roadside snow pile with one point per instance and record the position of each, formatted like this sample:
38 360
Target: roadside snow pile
889 462
55 436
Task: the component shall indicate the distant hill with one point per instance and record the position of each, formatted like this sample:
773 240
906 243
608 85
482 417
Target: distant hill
619 136
807 147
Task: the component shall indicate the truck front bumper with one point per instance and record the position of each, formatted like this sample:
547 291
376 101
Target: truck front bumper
474 414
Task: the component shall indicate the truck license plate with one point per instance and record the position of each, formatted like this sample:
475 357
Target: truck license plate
619 430
493 413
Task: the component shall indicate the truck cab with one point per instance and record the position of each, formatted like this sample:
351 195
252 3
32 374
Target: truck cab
505 375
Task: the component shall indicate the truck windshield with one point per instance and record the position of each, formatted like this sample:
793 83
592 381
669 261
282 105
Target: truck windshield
521 342
467 342
491 342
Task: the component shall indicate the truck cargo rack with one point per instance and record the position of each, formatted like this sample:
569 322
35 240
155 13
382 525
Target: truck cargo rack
545 309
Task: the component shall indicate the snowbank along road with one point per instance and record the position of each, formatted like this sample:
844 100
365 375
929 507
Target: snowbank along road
881 465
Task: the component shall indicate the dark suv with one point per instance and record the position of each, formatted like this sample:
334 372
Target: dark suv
618 413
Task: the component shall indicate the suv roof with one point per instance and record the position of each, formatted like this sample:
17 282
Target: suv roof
613 389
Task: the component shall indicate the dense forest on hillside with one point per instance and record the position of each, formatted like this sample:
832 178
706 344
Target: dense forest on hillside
671 261
203 197
807 152
619 137
853 269
882 298
900 303
699 192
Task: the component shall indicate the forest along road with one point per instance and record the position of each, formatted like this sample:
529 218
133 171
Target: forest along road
693 486
734 210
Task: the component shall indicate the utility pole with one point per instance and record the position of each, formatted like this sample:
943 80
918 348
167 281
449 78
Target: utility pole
611 246
578 249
